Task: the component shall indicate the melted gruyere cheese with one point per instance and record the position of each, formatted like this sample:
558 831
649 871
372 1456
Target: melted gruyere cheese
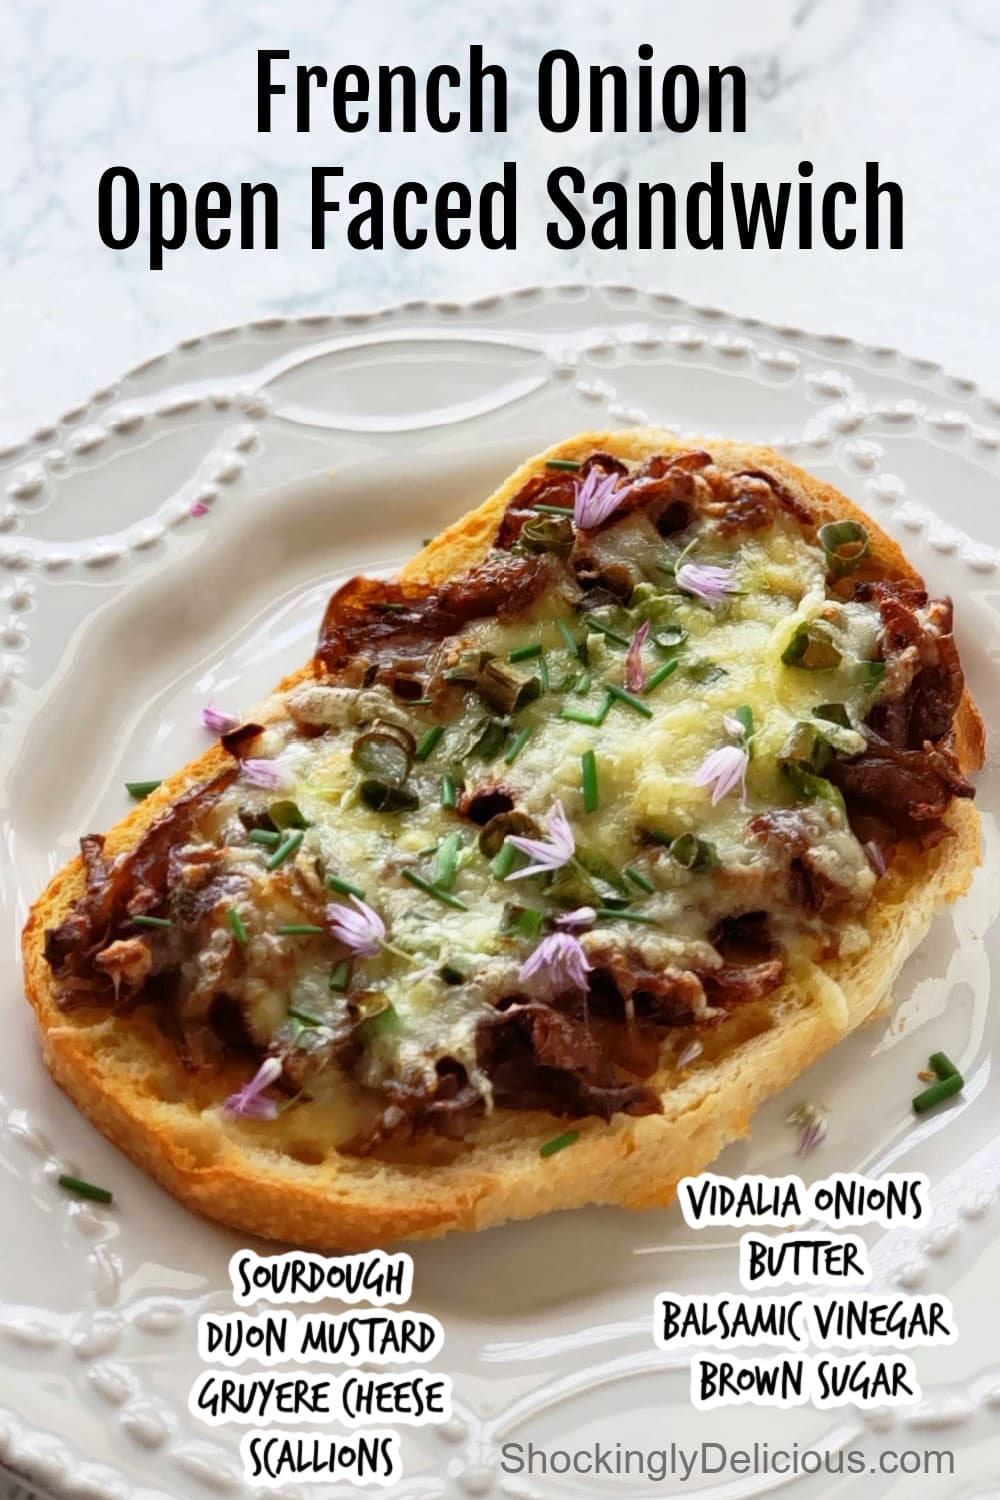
449 962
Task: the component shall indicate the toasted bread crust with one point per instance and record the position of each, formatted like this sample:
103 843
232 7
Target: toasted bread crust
129 1082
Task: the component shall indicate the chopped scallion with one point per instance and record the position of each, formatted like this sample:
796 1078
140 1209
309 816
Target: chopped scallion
520 740
938 1093
593 623
572 644
137 790
661 674
445 897
238 925
559 1143
623 696
429 742
503 862
340 976
289 844
84 1189
446 861
591 790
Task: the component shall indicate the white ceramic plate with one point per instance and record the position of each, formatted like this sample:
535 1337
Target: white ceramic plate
315 447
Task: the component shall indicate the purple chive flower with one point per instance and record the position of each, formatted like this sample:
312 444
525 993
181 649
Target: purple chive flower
249 1103
266 774
810 1120
584 916
635 672
217 721
199 508
726 768
557 964
691 1054
362 930
549 853
705 581
876 858
597 497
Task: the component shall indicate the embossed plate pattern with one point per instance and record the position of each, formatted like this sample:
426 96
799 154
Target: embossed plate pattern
172 540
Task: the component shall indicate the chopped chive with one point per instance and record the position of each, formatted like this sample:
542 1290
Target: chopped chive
526 921
265 836
446 862
584 685
140 789
629 698
569 464
594 624
449 791
554 510
559 1143
432 890
621 914
938 1093
520 740
943 1065
84 1189
661 674
152 921
525 653
418 702
639 879
579 716
429 742
303 1017
287 847
344 887
238 925
572 644
300 929
543 673
340 976
503 862
591 791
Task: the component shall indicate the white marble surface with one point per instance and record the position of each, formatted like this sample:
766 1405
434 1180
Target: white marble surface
170 90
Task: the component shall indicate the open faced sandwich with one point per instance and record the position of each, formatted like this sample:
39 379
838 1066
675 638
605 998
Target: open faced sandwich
568 848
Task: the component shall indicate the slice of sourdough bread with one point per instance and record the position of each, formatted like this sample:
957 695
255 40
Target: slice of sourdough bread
273 1180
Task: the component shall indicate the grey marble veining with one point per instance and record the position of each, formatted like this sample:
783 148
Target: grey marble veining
170 90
